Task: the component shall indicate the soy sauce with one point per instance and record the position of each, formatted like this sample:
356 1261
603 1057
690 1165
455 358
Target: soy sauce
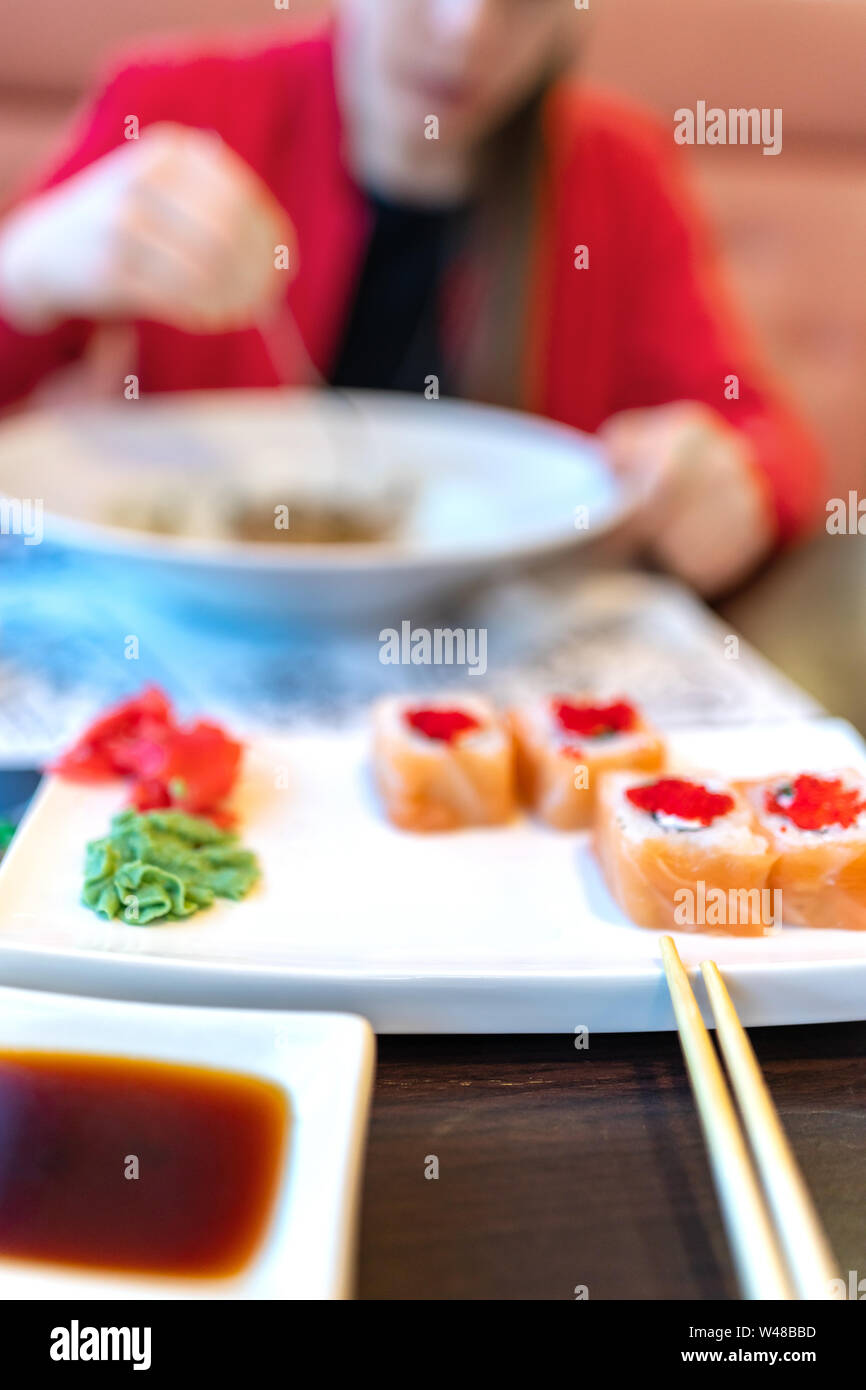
136 1166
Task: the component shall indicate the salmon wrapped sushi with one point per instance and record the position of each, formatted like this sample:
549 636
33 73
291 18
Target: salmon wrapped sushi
816 825
564 743
682 854
444 763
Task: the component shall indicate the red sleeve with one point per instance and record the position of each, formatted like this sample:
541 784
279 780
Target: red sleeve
25 358
682 341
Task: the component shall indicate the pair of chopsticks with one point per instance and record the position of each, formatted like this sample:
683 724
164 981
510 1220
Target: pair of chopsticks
776 1239
292 365
286 350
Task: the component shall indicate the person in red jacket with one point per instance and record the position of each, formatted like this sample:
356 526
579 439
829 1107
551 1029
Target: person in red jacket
416 198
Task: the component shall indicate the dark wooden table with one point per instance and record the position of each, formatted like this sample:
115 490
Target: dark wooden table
560 1168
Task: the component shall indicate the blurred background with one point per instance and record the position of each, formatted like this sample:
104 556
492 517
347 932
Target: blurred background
793 227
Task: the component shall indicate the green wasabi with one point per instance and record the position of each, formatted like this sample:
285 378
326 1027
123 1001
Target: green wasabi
7 830
163 866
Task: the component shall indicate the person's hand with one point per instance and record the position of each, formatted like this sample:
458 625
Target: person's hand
173 227
706 514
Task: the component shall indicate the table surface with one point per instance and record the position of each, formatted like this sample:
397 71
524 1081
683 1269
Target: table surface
560 1168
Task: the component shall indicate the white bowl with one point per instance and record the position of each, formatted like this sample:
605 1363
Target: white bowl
492 490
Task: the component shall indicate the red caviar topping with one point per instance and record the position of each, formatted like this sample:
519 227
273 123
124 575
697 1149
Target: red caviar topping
673 796
591 721
570 750
444 725
813 803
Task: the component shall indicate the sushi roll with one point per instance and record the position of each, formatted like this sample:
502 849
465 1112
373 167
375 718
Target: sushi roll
816 825
683 854
441 764
563 744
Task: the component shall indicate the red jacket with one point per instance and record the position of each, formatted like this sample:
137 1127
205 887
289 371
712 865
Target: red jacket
643 325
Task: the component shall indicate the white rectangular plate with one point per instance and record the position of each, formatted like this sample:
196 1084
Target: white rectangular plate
500 930
325 1064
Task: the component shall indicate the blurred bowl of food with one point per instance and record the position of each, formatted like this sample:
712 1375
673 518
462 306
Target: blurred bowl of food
307 504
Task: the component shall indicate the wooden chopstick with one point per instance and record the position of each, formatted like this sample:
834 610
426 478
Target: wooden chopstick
810 1260
756 1252
286 350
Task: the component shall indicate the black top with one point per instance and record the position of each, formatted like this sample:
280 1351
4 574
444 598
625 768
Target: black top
392 338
